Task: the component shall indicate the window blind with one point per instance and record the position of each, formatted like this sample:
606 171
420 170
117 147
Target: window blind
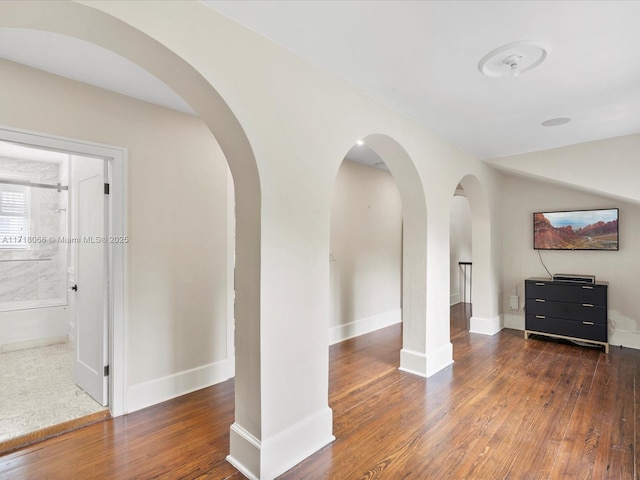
14 216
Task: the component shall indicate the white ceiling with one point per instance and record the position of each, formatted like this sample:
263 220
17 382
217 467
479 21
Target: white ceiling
421 58
23 152
86 62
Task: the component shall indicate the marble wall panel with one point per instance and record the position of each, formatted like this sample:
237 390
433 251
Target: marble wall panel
37 273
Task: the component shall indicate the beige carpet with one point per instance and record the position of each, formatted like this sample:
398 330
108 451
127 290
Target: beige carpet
37 391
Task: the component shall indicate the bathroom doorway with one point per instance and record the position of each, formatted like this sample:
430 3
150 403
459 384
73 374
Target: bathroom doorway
55 302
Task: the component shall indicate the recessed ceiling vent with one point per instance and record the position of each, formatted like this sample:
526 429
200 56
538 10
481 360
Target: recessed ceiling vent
512 59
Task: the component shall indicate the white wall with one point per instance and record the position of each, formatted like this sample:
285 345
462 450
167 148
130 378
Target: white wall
366 251
460 251
177 224
299 122
523 197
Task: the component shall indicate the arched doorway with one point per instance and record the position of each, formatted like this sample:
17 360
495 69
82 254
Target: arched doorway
481 282
74 19
461 265
413 356
366 247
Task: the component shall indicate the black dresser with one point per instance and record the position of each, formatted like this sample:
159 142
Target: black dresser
574 311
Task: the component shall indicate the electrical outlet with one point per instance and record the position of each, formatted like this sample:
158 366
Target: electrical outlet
513 302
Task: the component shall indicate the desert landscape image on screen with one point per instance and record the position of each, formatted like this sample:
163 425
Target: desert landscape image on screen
576 230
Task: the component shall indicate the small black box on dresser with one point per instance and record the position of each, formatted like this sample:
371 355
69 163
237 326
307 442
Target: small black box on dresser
569 310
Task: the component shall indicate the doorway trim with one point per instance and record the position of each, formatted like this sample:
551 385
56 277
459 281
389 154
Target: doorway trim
117 225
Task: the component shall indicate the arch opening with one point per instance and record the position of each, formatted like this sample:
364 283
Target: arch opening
388 152
461 264
480 279
365 247
72 19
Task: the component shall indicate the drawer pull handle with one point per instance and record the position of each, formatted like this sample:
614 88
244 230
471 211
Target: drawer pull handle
588 287
540 316
587 305
587 323
540 300
540 284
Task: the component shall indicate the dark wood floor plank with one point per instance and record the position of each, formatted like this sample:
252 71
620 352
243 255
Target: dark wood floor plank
494 438
597 444
506 409
496 413
617 434
183 438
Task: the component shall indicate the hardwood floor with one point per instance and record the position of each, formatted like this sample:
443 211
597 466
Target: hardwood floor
506 409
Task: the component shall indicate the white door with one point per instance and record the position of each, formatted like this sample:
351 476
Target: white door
91 273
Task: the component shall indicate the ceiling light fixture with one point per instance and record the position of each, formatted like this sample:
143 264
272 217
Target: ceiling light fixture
554 122
512 59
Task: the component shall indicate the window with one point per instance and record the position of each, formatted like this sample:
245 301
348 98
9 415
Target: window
14 216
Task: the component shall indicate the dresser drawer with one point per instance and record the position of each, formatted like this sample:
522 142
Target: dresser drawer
567 328
578 293
587 312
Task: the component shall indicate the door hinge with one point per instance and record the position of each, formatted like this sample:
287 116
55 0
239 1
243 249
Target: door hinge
106 370
106 189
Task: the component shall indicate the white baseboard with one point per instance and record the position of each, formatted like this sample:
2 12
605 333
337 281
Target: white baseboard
485 326
514 321
356 328
244 451
454 299
439 359
413 362
425 365
625 338
159 390
275 455
41 342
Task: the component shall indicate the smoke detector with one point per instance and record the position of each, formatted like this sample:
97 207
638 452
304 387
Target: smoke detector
512 59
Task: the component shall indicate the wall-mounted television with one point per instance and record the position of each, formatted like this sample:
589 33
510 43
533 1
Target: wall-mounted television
576 230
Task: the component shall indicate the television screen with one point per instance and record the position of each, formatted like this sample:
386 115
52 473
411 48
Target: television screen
576 230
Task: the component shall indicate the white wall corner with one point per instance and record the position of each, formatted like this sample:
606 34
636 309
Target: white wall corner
413 362
439 358
625 338
231 367
425 365
514 321
356 328
272 457
289 447
244 452
454 299
161 389
485 326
